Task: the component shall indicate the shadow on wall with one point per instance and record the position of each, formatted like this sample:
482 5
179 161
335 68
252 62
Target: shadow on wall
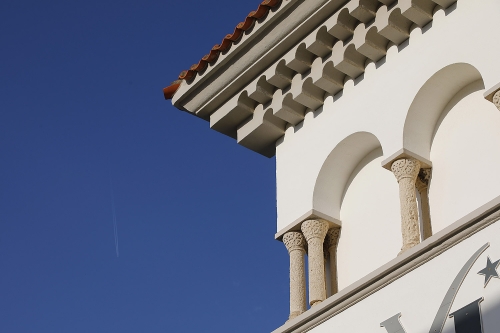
423 118
427 109
466 91
339 169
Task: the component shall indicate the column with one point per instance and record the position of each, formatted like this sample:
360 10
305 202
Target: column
295 244
332 240
422 184
496 99
315 232
406 171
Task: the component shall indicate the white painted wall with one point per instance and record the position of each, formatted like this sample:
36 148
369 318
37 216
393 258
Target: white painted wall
466 157
416 100
379 103
418 294
370 216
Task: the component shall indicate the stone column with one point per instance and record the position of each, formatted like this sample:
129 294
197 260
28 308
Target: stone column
406 171
332 240
422 184
315 232
295 244
496 99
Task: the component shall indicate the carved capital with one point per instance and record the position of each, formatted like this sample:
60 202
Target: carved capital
314 229
294 241
423 178
405 168
332 237
496 99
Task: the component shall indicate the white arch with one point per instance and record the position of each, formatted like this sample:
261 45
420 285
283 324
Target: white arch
337 170
429 103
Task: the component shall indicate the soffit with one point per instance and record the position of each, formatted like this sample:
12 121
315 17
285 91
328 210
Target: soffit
299 54
256 49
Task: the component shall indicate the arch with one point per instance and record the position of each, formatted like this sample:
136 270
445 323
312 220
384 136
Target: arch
337 171
465 154
430 101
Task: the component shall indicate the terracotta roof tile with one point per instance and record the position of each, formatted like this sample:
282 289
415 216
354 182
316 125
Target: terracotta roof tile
226 43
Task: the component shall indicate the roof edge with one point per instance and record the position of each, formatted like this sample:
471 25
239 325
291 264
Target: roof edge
169 92
225 45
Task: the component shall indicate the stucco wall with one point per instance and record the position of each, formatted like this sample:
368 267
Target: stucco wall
370 216
418 295
465 155
426 97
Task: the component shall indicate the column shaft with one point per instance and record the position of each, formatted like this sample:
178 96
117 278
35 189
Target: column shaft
422 184
406 171
315 232
332 242
295 244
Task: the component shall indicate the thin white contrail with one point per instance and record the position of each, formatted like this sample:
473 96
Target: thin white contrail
115 226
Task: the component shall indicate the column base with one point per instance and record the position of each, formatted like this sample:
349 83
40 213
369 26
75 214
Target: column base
294 314
315 303
409 246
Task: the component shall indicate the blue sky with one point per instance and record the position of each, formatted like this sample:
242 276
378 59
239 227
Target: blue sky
81 105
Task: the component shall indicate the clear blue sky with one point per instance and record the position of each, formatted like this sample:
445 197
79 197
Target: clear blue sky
81 101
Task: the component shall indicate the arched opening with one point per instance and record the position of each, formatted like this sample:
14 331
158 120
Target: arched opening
354 188
337 169
370 216
465 152
429 103
451 124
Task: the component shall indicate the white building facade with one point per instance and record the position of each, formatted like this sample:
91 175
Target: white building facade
384 117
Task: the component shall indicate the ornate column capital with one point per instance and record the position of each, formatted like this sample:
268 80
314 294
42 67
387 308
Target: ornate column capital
405 168
294 241
332 237
423 178
314 229
496 99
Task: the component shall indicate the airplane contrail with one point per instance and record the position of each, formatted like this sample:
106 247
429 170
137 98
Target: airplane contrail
115 226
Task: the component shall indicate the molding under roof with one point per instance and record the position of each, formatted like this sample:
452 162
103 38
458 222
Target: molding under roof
242 30
303 52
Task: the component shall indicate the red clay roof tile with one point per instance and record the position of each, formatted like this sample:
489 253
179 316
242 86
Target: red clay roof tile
227 42
169 91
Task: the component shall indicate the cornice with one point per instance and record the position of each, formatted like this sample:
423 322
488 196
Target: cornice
256 50
305 53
